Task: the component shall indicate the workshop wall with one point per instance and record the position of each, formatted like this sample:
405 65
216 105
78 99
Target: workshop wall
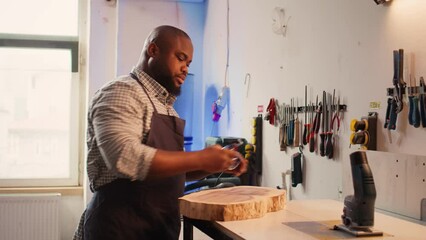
331 44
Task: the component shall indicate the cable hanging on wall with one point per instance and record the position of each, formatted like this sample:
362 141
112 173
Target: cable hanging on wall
223 98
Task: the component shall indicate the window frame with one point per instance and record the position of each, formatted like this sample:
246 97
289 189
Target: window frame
55 42
48 42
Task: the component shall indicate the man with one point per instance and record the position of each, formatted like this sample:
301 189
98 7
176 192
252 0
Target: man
136 164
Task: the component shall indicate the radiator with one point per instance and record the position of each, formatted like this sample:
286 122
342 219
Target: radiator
29 216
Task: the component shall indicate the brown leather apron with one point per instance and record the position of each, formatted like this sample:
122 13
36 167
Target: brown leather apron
136 210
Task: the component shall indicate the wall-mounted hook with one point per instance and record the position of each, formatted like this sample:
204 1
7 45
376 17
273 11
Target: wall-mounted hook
279 24
247 82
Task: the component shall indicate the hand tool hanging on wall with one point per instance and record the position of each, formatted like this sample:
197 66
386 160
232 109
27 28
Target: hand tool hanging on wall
290 131
334 119
296 142
329 136
278 116
396 104
309 122
413 113
296 168
413 99
318 113
387 117
393 102
287 123
314 126
401 83
392 114
336 116
422 102
283 128
306 124
270 112
324 125
308 127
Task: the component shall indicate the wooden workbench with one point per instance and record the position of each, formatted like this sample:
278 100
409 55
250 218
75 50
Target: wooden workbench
304 219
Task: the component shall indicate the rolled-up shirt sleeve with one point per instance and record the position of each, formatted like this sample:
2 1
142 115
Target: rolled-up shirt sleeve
119 116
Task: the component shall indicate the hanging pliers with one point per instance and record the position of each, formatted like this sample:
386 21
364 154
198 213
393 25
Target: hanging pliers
336 116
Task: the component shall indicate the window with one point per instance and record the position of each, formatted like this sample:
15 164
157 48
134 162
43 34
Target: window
39 93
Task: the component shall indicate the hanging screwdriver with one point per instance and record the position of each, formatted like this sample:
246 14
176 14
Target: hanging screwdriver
414 114
306 124
323 127
413 99
422 102
314 126
329 136
309 123
283 128
290 132
308 127
296 142
318 116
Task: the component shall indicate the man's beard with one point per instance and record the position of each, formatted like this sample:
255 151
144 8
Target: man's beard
171 88
176 91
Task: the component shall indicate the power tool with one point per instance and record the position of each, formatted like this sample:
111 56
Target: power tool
358 210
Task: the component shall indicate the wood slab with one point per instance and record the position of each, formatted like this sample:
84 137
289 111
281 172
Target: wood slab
233 203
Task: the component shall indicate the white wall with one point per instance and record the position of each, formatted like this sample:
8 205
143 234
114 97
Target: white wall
70 211
331 44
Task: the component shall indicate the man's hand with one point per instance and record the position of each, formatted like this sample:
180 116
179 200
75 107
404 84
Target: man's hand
215 159
241 168
201 163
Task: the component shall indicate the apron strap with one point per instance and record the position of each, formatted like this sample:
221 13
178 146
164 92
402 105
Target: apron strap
132 75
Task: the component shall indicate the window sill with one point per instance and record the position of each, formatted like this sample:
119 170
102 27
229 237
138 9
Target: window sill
64 191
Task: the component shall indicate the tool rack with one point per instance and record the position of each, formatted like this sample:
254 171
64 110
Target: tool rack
410 90
342 108
416 104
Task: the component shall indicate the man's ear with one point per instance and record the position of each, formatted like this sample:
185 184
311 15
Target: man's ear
152 50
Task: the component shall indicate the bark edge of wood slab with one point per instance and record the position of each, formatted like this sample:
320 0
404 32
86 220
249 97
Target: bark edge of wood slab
233 203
